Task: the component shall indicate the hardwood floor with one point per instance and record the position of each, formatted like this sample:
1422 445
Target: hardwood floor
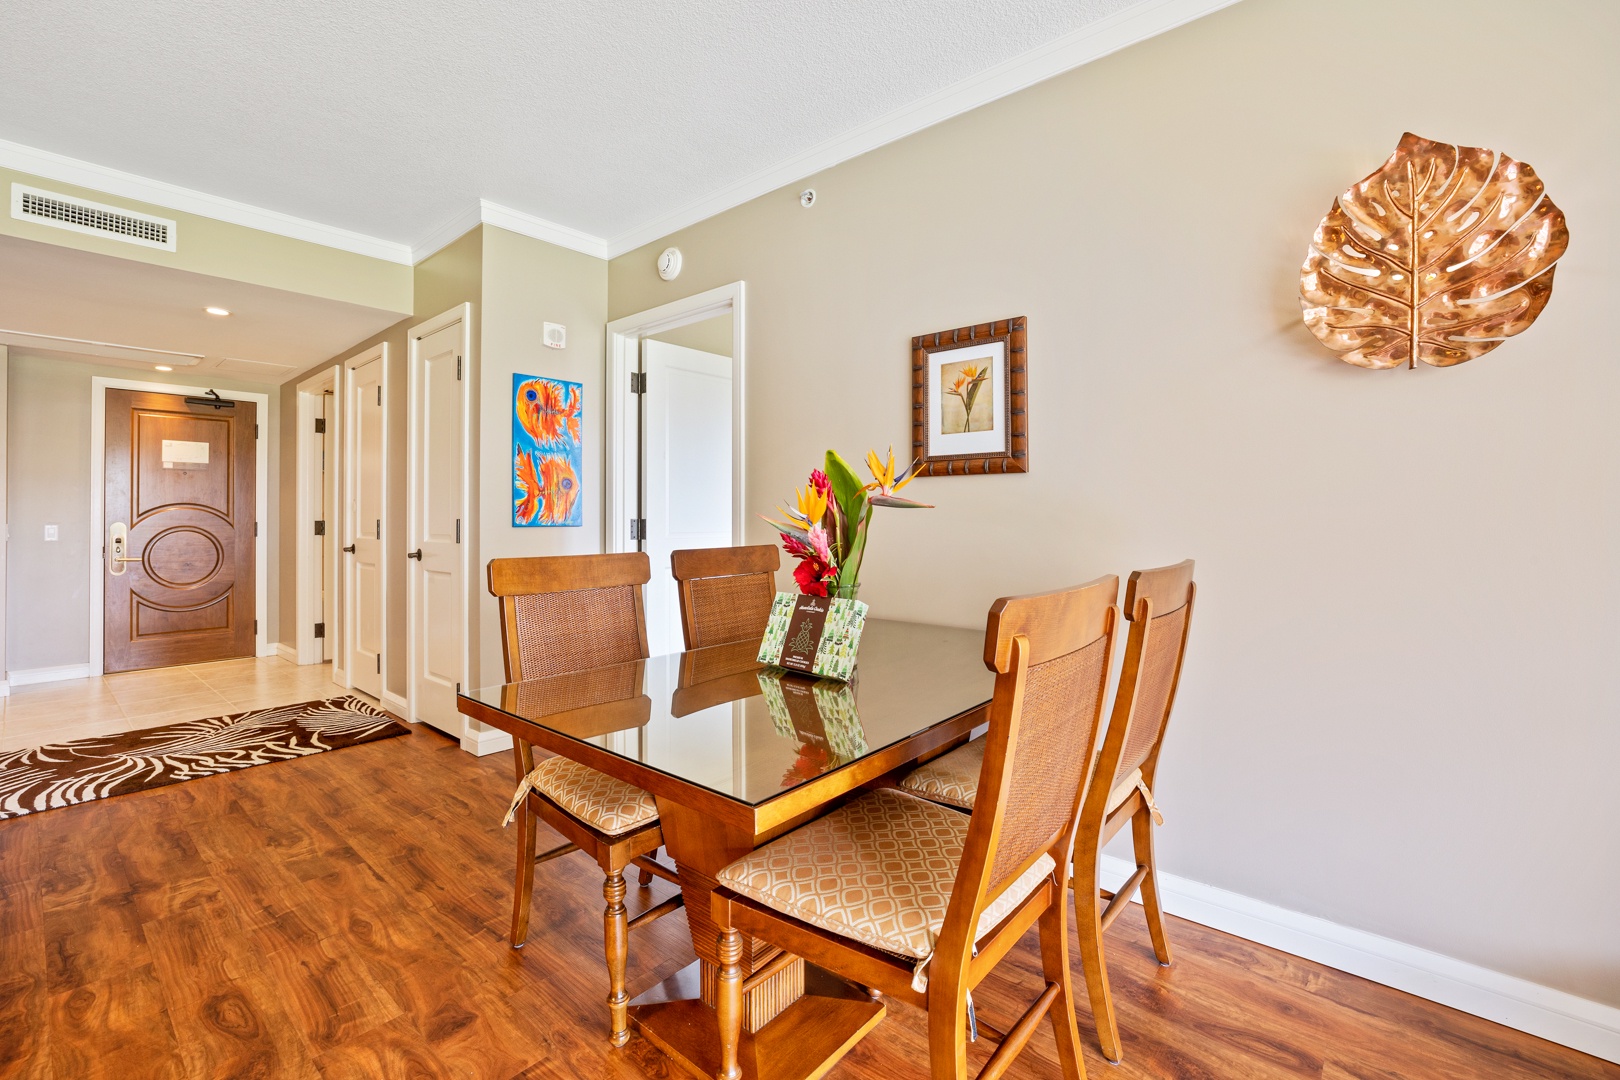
343 915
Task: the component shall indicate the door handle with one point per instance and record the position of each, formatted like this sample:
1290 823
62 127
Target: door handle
417 554
349 550
117 545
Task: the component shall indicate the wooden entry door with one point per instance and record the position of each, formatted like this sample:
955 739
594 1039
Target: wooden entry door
180 526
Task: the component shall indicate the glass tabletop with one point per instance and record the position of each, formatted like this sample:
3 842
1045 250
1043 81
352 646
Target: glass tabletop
719 719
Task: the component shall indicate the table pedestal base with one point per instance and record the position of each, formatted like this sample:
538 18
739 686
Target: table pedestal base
801 1043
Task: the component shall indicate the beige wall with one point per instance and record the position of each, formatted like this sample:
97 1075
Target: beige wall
710 335
207 246
527 283
48 440
1399 709
444 279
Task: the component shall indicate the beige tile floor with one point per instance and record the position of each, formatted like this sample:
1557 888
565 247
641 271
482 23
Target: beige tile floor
81 708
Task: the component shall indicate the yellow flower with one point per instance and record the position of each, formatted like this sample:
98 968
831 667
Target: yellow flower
812 504
883 473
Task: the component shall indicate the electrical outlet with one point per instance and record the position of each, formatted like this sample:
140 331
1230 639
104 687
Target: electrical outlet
50 532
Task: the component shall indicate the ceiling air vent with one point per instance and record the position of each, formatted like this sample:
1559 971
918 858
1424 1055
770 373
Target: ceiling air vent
93 218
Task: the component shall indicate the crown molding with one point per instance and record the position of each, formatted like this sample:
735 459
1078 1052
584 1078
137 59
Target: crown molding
87 174
504 217
1092 42
447 233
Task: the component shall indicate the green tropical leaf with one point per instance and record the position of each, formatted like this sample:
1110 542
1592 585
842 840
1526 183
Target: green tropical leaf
851 496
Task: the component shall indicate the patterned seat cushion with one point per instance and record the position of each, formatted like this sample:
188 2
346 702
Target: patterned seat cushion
953 778
879 869
607 805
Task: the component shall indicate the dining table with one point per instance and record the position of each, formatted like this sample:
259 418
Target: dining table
737 753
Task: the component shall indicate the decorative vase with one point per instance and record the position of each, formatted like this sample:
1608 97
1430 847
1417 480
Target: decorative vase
843 592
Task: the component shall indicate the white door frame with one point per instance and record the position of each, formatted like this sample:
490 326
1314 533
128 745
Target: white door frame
348 481
463 314
98 506
623 356
308 548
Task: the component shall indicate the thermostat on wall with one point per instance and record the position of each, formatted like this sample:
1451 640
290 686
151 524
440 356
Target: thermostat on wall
555 336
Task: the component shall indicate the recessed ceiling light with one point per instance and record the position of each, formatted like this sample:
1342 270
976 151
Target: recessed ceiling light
163 367
217 310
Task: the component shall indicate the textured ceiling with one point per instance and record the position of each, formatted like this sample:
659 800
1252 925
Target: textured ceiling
391 118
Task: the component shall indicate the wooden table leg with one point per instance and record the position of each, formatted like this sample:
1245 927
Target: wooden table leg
798 1020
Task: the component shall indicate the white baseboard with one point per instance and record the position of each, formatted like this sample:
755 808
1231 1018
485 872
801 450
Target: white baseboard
49 674
485 742
286 652
396 704
341 677
5 688
1560 1017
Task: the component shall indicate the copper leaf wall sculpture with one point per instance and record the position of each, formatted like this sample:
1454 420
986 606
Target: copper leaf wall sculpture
1439 256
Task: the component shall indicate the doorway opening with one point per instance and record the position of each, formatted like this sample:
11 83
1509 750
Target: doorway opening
315 552
179 500
675 438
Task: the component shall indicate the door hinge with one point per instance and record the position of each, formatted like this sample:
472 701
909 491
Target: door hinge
320 425
255 528
379 663
638 382
255 627
320 629
255 431
458 688
379 528
320 528
458 369
379 393
458 530
638 528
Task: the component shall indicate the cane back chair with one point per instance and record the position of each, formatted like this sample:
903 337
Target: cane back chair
919 901
726 593
564 614
1158 604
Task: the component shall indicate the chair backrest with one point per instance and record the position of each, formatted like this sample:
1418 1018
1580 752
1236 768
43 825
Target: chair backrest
570 612
1051 654
1159 605
726 593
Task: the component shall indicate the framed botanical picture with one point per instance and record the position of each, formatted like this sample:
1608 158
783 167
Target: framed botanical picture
546 452
970 399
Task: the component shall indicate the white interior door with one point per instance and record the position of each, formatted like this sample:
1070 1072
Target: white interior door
438 464
362 524
324 446
686 471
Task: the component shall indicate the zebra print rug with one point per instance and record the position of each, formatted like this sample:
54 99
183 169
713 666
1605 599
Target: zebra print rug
64 774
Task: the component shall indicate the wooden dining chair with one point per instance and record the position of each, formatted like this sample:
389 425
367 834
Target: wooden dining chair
726 593
1158 604
920 902
566 614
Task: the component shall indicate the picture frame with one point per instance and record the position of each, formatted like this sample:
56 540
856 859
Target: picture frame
970 399
547 452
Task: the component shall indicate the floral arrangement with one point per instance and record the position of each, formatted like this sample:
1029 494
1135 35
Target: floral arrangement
827 533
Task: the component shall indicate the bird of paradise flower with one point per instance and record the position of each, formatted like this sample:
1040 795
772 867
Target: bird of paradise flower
965 388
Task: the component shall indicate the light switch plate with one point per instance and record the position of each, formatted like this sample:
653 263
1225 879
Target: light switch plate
555 336
50 532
